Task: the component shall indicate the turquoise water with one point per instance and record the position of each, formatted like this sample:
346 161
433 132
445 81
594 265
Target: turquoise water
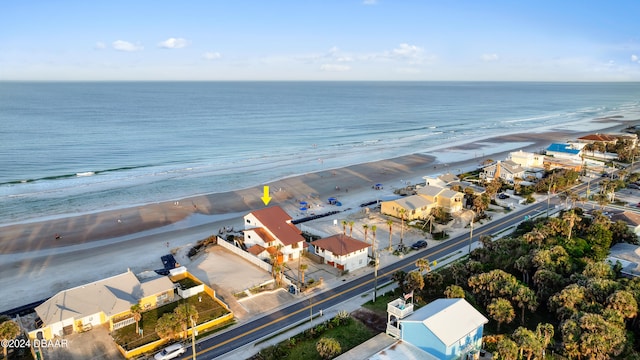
69 147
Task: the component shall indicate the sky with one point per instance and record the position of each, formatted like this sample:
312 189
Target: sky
291 40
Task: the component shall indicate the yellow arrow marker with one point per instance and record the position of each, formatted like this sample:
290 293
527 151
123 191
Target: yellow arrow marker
265 197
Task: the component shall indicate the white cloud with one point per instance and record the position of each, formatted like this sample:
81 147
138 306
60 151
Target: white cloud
369 2
335 67
490 57
122 45
407 51
174 43
634 58
100 45
211 55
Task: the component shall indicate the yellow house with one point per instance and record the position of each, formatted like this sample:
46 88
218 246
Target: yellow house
100 302
419 206
415 206
449 200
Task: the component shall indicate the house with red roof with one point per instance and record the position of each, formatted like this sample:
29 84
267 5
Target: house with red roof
271 232
342 251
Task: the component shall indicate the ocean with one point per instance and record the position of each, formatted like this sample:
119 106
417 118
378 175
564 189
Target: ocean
78 147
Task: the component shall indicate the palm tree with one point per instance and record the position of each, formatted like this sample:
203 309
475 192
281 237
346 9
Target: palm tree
167 327
185 313
136 311
303 268
9 330
402 212
351 227
424 265
501 310
365 227
373 234
344 227
390 223
571 218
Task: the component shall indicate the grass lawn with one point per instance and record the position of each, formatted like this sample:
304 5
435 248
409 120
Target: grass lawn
208 309
188 283
380 306
303 346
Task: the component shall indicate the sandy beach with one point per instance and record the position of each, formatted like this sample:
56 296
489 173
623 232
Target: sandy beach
344 183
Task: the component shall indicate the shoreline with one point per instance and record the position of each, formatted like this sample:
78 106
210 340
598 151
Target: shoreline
354 183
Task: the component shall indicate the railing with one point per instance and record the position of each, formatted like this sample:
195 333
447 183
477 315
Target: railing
400 308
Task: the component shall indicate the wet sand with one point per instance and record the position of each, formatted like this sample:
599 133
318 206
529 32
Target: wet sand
318 186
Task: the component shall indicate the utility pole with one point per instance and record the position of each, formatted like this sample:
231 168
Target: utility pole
375 275
470 237
193 337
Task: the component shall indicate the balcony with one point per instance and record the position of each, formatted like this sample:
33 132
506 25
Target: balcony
399 308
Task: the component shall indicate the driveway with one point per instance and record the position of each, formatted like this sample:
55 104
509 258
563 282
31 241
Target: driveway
95 344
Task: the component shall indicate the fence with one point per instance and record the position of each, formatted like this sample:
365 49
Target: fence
245 255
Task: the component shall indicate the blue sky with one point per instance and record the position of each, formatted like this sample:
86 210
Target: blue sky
320 40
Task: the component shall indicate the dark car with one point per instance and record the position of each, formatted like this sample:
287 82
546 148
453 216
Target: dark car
419 245
503 196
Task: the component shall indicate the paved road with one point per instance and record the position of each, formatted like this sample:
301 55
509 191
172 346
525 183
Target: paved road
274 323
293 314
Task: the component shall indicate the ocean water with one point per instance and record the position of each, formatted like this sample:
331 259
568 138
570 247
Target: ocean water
77 147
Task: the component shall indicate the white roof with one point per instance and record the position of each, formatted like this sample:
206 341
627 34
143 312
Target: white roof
439 315
384 347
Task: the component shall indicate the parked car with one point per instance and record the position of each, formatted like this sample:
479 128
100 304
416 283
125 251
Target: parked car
419 245
170 352
503 196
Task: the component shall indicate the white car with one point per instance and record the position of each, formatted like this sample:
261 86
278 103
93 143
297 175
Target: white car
170 352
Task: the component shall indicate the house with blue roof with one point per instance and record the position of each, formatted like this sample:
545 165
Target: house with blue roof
564 151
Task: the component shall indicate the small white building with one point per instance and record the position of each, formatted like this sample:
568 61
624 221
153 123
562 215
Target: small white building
527 159
342 251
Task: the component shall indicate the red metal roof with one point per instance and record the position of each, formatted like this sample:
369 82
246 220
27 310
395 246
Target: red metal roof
278 222
340 244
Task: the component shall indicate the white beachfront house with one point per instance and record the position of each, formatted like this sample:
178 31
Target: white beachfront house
527 159
271 229
342 251
443 180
